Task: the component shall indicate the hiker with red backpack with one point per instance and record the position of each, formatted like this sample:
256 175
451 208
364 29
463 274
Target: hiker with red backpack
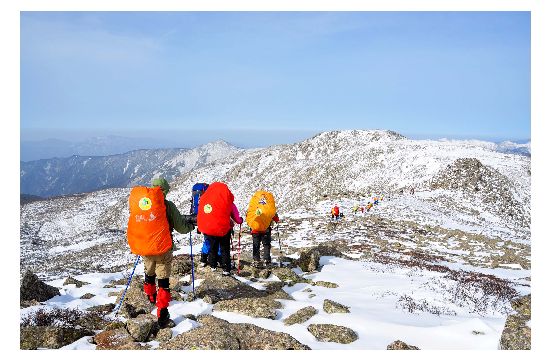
259 216
335 212
152 221
215 213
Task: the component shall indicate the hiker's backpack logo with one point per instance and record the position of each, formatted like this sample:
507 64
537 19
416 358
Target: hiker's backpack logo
145 203
262 200
207 209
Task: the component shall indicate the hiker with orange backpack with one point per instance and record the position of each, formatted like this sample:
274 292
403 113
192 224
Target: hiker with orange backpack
152 221
259 216
216 210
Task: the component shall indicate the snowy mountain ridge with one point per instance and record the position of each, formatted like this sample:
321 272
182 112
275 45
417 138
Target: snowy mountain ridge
78 174
346 167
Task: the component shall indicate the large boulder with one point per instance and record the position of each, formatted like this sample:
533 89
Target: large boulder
301 316
215 333
332 307
32 288
216 288
399 345
332 333
309 258
286 275
254 307
141 327
136 301
516 334
50 337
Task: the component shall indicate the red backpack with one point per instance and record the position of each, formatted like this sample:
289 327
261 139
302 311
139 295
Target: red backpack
215 210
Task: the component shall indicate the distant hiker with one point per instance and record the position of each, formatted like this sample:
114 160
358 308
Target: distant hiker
375 200
369 206
335 212
362 209
259 216
355 209
150 226
412 191
216 210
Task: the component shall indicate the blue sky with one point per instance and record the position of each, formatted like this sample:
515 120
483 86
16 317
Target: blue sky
259 78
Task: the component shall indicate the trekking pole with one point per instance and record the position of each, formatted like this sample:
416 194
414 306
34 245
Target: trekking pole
128 284
280 250
239 252
232 248
192 265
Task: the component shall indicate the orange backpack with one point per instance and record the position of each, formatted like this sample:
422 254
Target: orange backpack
215 210
148 229
261 211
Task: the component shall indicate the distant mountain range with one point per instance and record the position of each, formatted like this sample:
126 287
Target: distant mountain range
93 146
78 174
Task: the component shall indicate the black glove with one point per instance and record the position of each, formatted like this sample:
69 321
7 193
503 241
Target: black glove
192 218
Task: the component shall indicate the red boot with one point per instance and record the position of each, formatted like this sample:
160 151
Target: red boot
150 290
163 300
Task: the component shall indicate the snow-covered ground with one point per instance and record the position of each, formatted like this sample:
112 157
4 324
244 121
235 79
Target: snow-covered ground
371 291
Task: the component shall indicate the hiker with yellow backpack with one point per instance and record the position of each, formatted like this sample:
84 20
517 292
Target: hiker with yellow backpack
259 216
152 221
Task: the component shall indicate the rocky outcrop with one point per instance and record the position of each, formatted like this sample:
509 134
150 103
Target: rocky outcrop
516 334
50 337
117 339
288 276
135 300
215 333
399 345
301 316
71 280
142 327
32 288
309 259
254 307
330 285
332 307
332 333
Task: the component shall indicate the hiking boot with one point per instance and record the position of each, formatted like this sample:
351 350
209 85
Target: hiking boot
164 320
226 273
257 264
203 264
213 269
150 290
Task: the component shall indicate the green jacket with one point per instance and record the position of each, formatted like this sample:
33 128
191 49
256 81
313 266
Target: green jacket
176 221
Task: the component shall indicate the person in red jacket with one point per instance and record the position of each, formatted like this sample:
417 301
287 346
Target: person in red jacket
265 238
335 212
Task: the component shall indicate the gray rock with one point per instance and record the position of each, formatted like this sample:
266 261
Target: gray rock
330 285
216 288
71 280
399 345
50 337
254 307
34 289
215 333
332 307
332 333
141 327
87 296
287 275
516 334
105 308
28 303
301 316
264 274
309 259
117 339
135 301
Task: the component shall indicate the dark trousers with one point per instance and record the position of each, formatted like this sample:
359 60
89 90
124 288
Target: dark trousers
215 243
265 239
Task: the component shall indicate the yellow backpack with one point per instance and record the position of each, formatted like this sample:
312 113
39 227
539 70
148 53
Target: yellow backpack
261 211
